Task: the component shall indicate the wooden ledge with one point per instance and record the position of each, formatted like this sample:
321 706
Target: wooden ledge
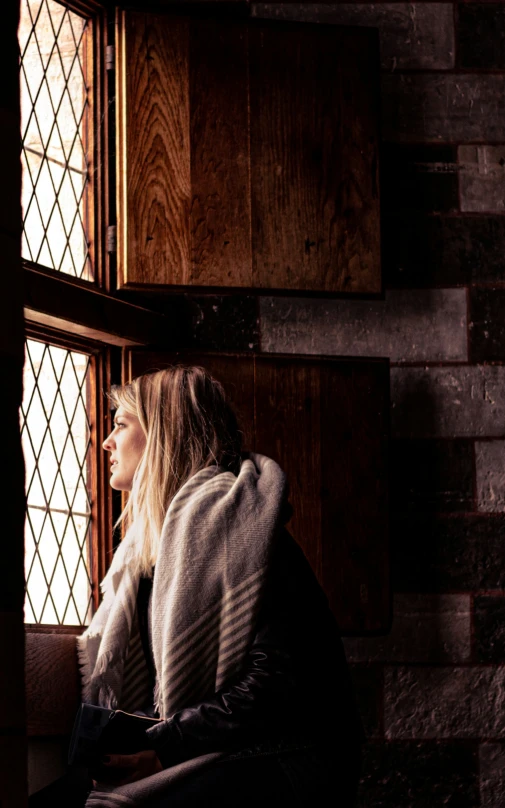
52 683
59 301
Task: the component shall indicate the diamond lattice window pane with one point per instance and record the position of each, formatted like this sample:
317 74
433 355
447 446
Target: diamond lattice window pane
56 443
55 121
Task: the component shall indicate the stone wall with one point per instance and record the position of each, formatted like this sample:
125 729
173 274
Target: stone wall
432 693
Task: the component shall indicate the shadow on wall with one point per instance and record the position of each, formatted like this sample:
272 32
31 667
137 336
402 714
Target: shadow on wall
429 627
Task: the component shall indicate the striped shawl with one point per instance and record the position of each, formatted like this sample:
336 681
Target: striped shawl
210 573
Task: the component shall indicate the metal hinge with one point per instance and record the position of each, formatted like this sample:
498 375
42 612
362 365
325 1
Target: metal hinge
111 240
110 57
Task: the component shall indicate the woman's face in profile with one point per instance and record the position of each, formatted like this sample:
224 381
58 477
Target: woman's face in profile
126 444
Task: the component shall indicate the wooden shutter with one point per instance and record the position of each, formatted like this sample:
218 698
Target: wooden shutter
247 154
326 422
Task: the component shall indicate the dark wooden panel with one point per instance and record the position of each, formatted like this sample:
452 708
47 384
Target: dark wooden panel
221 205
153 138
288 428
325 421
247 154
236 374
354 526
52 683
358 206
315 211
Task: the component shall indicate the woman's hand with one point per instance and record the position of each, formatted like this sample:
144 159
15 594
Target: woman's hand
129 768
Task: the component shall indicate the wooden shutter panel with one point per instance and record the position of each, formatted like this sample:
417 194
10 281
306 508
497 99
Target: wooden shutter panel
326 422
248 154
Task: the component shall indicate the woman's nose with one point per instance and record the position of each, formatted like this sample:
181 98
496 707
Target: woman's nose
107 444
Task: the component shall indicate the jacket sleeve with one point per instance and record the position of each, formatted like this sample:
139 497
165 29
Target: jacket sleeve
248 706
294 679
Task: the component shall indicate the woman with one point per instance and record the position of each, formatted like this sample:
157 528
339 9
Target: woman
211 618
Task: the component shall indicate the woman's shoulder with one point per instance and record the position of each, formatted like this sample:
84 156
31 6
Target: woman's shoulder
293 574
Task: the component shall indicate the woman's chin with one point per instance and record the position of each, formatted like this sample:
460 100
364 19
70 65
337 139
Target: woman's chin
118 484
115 482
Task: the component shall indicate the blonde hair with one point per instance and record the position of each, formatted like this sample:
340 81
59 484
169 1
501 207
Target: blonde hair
188 425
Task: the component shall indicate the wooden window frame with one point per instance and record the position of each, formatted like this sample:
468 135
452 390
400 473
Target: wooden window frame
86 315
40 324
95 137
101 548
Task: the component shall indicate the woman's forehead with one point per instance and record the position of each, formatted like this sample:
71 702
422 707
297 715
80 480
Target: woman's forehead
121 412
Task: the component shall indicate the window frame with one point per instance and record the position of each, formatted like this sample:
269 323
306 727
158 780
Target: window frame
89 315
96 138
100 418
95 217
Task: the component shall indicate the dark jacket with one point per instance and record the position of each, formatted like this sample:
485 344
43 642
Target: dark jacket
294 687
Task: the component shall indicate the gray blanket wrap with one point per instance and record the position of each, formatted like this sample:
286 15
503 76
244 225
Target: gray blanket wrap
209 578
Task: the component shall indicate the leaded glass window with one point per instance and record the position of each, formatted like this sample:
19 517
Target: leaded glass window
56 137
56 444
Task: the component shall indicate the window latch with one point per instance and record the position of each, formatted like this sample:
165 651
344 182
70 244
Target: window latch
111 239
110 57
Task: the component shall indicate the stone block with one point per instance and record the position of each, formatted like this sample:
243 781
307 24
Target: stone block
211 322
489 626
487 324
435 475
450 702
426 628
481 35
443 107
419 178
447 553
368 682
490 470
424 774
412 35
492 775
481 172
448 402
225 323
406 326
423 251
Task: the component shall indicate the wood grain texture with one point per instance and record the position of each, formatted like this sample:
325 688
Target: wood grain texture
52 683
358 201
220 182
326 422
251 156
235 372
51 299
314 183
154 171
288 428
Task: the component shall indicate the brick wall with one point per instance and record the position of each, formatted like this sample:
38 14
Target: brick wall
432 693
